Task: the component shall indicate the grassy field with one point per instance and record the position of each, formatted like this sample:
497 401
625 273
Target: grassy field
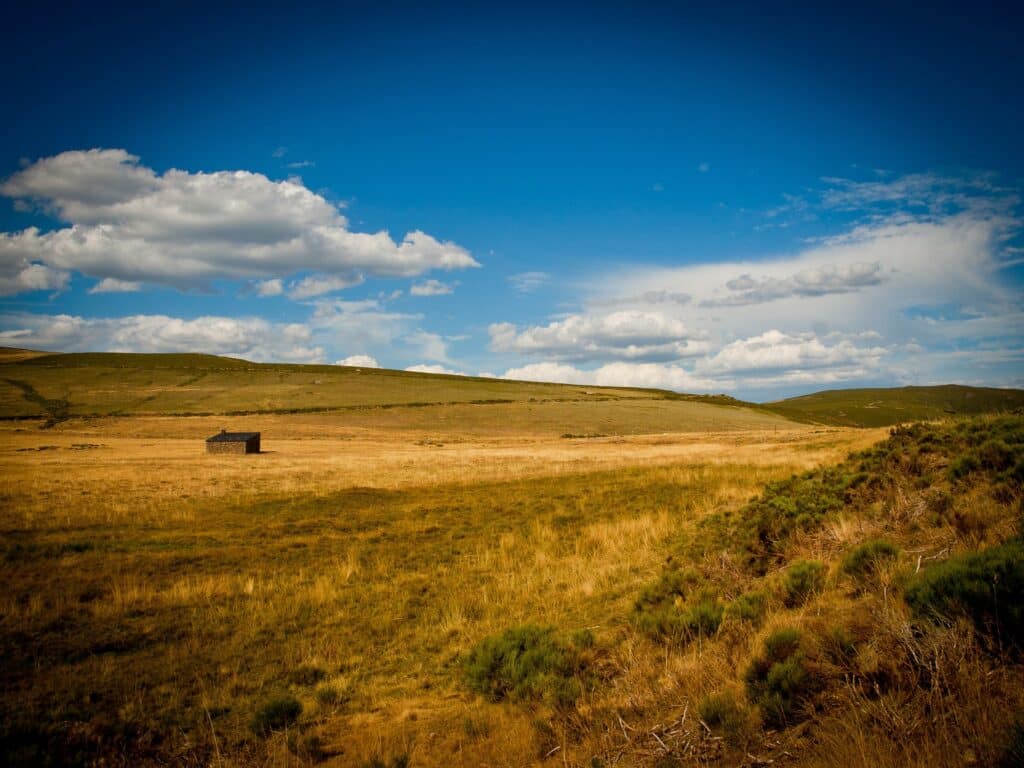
566 579
114 384
882 407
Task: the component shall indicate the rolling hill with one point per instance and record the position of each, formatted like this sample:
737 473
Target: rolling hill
885 406
58 387
61 386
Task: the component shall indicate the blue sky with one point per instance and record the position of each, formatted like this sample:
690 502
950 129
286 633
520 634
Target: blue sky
714 199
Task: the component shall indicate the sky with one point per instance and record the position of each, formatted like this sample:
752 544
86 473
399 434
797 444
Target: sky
718 198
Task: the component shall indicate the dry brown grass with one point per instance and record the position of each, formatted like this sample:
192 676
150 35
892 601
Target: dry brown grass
159 582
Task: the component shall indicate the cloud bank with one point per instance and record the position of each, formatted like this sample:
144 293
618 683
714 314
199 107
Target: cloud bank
126 222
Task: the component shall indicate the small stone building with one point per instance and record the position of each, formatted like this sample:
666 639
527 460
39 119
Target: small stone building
233 442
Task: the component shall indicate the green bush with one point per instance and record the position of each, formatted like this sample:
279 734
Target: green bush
780 680
863 560
679 622
995 456
275 714
750 606
803 579
963 466
525 663
721 712
986 586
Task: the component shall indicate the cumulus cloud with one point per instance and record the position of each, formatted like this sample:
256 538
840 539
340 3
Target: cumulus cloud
621 374
431 288
777 351
435 369
250 338
626 334
359 361
366 325
18 275
432 346
113 285
272 287
128 222
920 274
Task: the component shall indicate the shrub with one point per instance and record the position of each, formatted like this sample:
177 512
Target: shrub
986 586
678 622
863 560
780 680
275 714
996 456
721 712
331 694
750 606
803 579
963 466
307 674
525 663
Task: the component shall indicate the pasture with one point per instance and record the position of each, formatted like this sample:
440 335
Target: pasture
320 602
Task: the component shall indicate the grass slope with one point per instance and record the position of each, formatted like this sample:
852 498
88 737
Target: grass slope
887 406
60 387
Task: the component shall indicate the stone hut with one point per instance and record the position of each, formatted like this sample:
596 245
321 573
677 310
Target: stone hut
233 442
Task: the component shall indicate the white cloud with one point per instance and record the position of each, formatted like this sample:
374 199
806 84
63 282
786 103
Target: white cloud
366 325
249 338
920 273
113 285
18 275
279 152
777 351
621 374
528 282
813 281
625 334
186 229
302 164
432 346
435 369
318 285
272 287
431 288
359 361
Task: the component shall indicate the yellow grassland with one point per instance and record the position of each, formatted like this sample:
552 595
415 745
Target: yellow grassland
158 596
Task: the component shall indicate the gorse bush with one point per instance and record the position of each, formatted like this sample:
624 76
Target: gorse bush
722 712
986 586
750 606
780 680
666 610
863 560
276 714
526 663
803 579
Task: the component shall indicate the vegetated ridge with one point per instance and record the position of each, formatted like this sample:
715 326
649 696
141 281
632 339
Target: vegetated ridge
883 407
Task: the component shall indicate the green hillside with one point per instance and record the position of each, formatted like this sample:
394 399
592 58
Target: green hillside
59 387
882 407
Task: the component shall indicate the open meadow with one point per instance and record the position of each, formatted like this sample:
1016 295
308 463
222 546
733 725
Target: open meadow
506 574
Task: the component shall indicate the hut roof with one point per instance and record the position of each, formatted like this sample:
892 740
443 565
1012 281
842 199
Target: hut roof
232 437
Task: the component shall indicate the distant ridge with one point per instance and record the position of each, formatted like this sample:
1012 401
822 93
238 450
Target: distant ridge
880 407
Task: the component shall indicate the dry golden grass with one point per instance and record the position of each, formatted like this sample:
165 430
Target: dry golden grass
159 585
156 597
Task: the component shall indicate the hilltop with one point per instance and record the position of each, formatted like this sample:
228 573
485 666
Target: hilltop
58 387
61 386
882 407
